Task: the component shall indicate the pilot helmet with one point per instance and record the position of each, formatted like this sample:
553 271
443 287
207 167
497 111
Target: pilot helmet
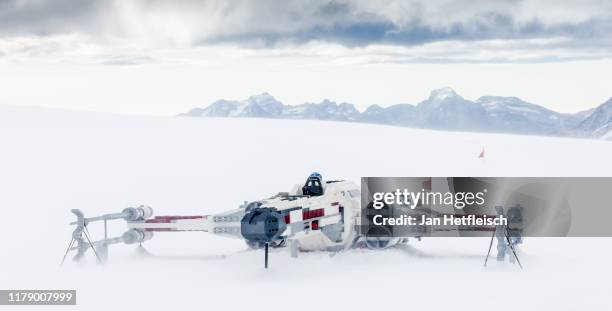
315 175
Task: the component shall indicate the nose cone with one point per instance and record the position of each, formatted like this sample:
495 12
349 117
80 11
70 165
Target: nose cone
263 224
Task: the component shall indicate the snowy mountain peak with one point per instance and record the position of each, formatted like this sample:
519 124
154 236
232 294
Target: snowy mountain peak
444 109
264 97
599 122
498 103
325 110
493 101
443 94
607 105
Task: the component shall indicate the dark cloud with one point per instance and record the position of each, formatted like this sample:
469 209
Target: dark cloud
334 8
267 23
370 29
38 17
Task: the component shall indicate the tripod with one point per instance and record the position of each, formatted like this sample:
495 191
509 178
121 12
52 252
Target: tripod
506 234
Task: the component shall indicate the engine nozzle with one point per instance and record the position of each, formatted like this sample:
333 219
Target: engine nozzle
262 224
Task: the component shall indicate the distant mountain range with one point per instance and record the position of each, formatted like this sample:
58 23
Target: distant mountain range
444 110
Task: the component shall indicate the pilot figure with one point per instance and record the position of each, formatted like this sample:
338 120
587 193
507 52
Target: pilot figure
314 185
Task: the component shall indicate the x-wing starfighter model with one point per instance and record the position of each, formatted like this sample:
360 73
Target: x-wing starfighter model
316 216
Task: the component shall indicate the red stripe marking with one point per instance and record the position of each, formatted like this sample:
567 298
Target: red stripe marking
313 214
157 221
178 217
168 219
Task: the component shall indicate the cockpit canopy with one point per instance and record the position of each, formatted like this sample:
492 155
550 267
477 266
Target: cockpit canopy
314 185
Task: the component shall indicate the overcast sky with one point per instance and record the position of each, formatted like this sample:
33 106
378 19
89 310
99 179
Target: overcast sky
161 57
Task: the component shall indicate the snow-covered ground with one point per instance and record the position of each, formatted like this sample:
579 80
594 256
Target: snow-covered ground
52 161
